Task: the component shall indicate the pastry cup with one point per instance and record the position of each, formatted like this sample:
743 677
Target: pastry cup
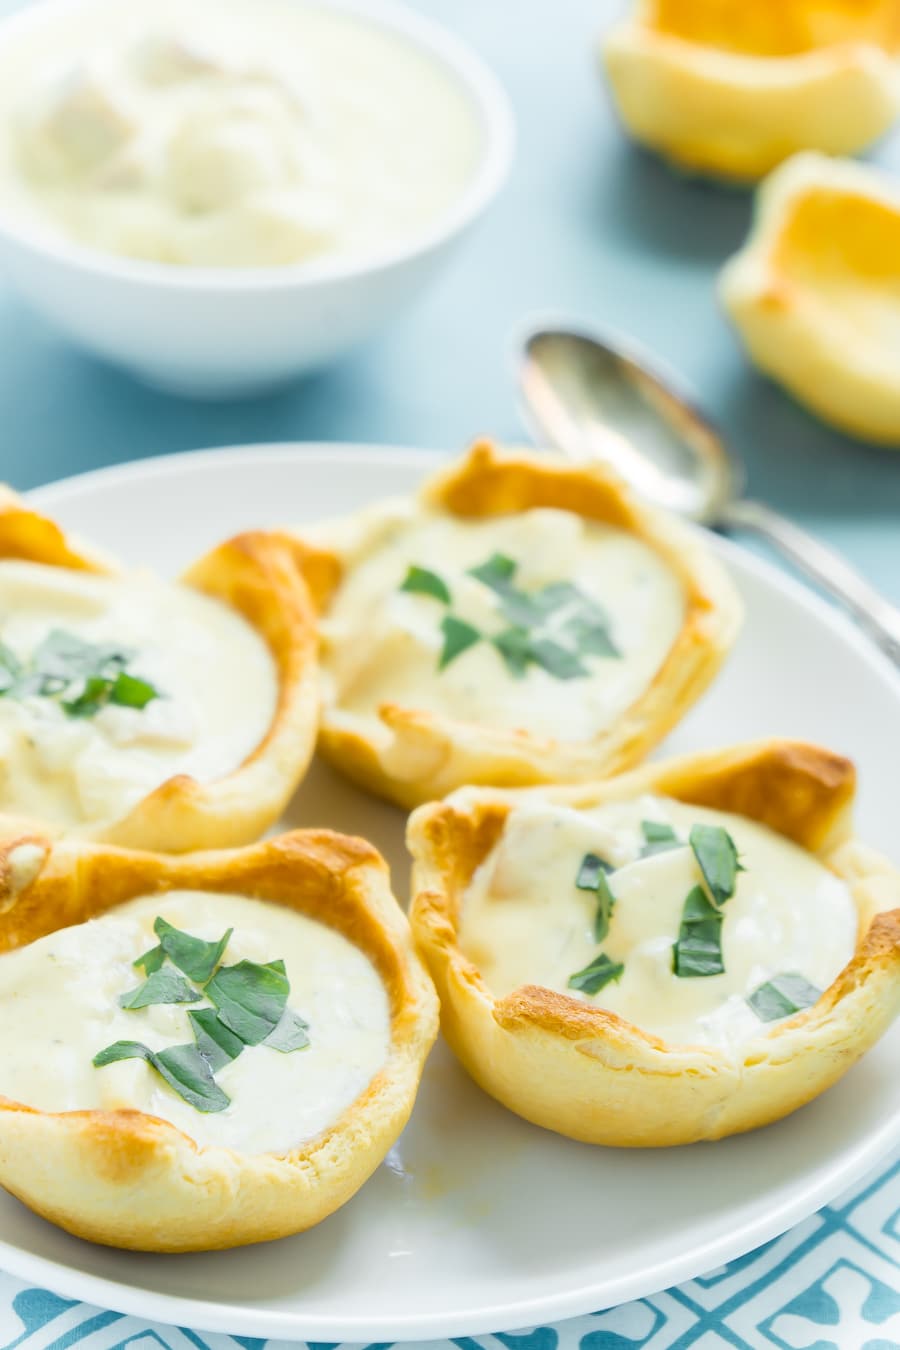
732 90
256 575
813 292
588 1074
127 1179
416 755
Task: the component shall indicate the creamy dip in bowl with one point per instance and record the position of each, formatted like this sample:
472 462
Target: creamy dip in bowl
221 194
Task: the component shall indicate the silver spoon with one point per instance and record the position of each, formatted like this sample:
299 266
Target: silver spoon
600 398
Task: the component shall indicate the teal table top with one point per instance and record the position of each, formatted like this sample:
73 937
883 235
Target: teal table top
588 226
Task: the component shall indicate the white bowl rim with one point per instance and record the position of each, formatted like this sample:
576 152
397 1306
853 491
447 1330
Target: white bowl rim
480 85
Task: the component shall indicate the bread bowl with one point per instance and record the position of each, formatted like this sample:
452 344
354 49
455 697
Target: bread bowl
813 292
541 982
731 90
100 1144
599 622
146 713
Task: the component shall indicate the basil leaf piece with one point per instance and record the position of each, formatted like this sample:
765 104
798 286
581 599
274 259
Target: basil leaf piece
290 1034
419 581
497 572
128 691
659 838
198 959
698 950
276 965
150 961
10 668
717 859
94 695
591 870
163 986
513 645
216 1043
601 972
605 905
250 999
458 638
591 637
65 656
183 1068
783 995
556 660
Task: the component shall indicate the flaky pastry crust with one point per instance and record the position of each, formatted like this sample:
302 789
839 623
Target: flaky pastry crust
813 291
256 575
591 1075
419 755
732 90
127 1179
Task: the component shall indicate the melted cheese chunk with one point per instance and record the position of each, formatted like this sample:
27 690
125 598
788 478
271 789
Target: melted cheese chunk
383 645
59 1007
229 132
216 678
524 921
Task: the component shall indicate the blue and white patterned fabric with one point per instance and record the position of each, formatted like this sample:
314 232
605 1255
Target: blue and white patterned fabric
832 1283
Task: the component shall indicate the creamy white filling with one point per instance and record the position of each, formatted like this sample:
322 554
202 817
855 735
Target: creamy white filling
59 1007
524 921
216 677
229 132
382 645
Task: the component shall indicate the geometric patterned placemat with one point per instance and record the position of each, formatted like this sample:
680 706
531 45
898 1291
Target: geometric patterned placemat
831 1283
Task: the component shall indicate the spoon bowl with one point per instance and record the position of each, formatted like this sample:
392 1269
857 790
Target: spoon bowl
594 398
597 397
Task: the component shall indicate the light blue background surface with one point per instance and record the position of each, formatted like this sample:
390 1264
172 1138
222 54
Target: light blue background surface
587 225
591 227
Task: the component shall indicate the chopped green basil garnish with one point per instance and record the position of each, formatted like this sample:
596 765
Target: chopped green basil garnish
658 838
290 1034
591 637
216 1043
83 677
183 1068
458 638
497 572
605 904
249 1008
163 986
591 870
556 660
198 959
513 644
600 972
698 949
150 961
783 995
422 582
717 859
250 999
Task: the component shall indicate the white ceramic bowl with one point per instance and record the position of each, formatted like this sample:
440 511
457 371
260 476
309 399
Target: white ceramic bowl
224 332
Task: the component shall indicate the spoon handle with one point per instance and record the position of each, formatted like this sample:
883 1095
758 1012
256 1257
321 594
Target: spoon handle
831 572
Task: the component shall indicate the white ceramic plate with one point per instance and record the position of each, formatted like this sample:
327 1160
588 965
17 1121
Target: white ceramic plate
479 1222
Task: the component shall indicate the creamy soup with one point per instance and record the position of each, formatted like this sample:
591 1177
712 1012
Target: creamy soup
60 1006
526 921
573 620
229 132
197 691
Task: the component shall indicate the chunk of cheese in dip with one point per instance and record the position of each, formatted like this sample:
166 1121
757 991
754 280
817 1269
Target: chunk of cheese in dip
59 1006
383 645
229 132
524 921
215 675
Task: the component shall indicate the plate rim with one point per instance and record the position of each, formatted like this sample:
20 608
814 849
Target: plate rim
210 1316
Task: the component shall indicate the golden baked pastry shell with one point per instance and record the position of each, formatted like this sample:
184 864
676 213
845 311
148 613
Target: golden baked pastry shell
589 1074
420 755
815 291
127 1179
256 575
732 90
